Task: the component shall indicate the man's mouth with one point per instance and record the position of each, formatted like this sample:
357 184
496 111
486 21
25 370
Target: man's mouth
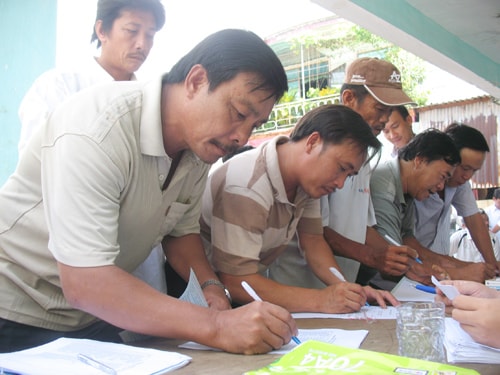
224 149
138 56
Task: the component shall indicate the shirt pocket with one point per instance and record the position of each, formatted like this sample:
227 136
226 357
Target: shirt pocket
173 215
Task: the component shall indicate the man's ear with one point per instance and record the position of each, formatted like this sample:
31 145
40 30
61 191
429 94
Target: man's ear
348 98
313 140
418 161
196 79
99 31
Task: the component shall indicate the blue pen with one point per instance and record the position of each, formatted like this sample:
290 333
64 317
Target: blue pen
425 288
4 371
395 243
256 297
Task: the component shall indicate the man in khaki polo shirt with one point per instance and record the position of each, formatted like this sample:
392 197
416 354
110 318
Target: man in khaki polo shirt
116 170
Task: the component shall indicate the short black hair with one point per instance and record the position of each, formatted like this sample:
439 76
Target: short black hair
109 10
496 194
431 144
229 52
336 123
465 136
403 111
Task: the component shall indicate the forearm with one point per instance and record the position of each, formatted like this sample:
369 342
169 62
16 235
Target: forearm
375 242
131 304
294 299
186 252
319 257
424 253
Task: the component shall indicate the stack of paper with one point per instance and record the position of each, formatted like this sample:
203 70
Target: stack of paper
64 356
460 347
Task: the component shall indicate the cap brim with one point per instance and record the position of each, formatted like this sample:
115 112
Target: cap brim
390 96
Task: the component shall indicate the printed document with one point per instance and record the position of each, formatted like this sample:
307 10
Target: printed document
366 313
62 357
460 347
347 338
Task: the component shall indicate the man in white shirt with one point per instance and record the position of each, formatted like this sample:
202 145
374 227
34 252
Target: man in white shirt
462 245
493 213
124 32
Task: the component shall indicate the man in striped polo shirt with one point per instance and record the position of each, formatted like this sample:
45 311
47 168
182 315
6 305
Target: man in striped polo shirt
254 204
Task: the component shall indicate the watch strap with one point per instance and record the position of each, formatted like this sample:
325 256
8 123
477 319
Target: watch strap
220 285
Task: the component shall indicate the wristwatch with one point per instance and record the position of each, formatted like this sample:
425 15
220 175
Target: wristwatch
220 285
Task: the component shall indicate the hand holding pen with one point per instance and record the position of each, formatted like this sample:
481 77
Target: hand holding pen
381 296
341 277
256 297
395 243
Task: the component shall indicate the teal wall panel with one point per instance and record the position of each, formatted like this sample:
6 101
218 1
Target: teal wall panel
28 48
402 15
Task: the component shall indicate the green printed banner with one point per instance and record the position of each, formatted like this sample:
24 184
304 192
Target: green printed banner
315 357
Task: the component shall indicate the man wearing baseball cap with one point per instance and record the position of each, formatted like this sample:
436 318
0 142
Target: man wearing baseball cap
372 87
377 81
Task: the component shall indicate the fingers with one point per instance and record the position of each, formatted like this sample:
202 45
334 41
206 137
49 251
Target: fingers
399 259
255 328
344 297
440 297
280 325
490 271
465 310
419 273
381 297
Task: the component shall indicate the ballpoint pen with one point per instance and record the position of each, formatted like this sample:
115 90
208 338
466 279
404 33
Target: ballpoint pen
256 297
4 371
395 243
96 364
425 288
341 277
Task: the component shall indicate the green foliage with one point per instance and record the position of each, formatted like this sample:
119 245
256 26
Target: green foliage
316 93
351 40
288 97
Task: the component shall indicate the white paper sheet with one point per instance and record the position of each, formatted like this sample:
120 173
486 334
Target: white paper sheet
342 337
405 291
460 347
61 357
372 313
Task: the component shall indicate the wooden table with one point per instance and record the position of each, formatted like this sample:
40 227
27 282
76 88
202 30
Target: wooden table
381 337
